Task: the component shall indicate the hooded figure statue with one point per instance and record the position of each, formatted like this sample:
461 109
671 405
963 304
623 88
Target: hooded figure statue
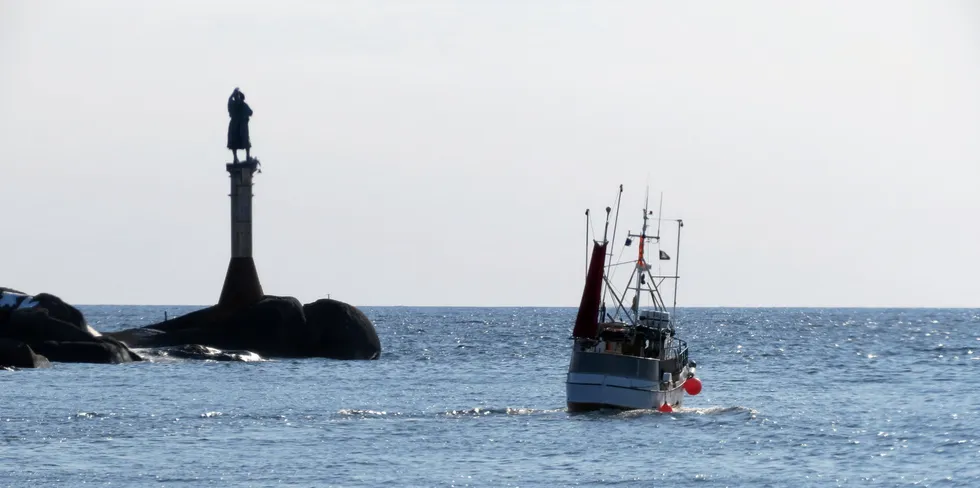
239 111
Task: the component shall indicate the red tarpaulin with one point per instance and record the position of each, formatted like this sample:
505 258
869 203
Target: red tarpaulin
587 321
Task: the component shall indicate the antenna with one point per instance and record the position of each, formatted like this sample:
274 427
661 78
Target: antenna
587 223
660 214
646 203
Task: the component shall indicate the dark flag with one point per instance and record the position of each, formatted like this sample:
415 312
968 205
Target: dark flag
664 256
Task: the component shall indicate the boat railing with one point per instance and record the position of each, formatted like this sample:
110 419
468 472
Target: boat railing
678 349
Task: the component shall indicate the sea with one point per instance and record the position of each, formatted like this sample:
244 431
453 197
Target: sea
476 397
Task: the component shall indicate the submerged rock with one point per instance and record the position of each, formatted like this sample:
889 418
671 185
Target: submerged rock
273 327
197 351
56 330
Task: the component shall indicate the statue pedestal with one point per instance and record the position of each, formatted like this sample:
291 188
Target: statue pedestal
242 287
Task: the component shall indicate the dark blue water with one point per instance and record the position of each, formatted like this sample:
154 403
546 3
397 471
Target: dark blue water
475 397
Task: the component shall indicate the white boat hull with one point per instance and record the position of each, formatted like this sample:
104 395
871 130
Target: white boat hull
586 392
597 380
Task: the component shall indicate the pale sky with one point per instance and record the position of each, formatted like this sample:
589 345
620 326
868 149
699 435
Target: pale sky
443 153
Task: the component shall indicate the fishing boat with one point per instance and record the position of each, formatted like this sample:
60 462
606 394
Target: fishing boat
626 354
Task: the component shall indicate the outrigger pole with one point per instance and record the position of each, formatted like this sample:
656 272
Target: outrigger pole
587 223
677 263
620 302
605 232
619 200
612 242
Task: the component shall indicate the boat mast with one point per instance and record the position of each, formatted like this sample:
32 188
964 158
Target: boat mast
641 263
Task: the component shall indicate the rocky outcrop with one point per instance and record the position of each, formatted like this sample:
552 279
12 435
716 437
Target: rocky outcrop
39 328
272 327
53 329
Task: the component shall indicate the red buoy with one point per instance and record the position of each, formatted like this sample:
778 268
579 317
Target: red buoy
665 408
692 386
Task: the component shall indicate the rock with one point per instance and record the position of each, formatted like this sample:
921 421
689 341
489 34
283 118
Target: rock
344 332
273 327
193 328
11 300
57 330
103 350
16 354
58 309
141 337
36 325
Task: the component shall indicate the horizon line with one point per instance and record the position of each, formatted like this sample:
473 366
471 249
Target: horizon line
880 307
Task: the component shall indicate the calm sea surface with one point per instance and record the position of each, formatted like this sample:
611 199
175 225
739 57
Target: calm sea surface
475 397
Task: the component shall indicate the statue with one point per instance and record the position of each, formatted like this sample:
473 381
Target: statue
239 111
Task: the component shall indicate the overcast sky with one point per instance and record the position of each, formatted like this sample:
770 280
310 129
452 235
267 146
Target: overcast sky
443 153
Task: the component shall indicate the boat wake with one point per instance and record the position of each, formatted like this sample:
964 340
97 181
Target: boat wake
716 410
682 411
467 412
354 413
500 411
